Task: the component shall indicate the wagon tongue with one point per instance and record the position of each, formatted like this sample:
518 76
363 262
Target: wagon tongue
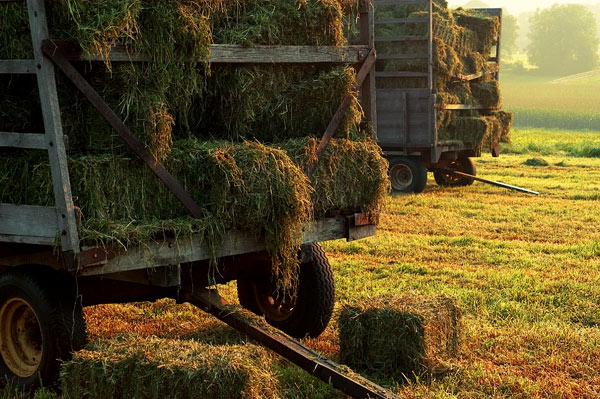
319 366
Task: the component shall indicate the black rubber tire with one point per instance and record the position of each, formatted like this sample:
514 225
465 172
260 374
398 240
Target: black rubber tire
463 164
315 298
407 175
60 319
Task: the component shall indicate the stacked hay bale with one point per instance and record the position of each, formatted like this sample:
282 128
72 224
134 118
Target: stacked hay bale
462 42
237 137
409 334
128 367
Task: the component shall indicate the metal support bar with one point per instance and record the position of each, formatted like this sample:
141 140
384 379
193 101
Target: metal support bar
55 54
493 183
314 363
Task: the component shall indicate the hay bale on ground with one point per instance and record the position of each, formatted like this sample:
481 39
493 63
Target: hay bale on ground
128 367
393 335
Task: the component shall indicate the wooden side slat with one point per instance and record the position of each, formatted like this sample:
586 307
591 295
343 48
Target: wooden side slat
386 57
400 39
17 66
184 250
389 21
29 221
33 141
401 74
237 54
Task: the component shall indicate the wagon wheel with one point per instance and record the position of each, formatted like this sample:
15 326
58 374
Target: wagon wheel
39 326
305 314
407 175
463 164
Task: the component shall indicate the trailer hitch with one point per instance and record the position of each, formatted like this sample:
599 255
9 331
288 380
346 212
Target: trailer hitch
491 182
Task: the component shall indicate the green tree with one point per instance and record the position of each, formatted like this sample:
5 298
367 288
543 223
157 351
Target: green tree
510 34
563 39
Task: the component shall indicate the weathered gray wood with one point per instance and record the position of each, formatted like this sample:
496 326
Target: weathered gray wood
388 21
67 220
430 44
386 57
184 250
368 89
237 54
401 39
29 221
401 74
33 141
234 54
17 66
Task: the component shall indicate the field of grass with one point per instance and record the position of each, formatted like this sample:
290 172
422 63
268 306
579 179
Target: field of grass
525 270
537 102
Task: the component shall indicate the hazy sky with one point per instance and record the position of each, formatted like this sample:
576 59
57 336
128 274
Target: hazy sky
518 6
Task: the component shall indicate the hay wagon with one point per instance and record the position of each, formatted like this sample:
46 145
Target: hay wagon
48 274
407 108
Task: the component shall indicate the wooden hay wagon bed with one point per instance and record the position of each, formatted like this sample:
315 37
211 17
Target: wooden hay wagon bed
47 274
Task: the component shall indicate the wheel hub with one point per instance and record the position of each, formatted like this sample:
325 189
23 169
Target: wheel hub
20 337
401 176
275 305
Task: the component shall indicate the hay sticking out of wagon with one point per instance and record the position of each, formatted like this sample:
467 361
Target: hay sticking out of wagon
127 367
245 186
411 334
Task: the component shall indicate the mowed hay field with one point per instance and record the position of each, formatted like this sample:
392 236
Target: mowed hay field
524 269
538 101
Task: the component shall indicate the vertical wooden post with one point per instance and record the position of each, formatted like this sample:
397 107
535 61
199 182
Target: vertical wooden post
67 221
367 36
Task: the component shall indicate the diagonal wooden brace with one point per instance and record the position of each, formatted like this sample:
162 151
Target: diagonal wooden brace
340 113
54 53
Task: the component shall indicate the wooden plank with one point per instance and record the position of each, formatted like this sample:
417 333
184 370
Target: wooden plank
401 39
401 74
237 54
17 66
368 88
386 57
170 252
490 69
29 221
69 237
33 141
388 21
234 54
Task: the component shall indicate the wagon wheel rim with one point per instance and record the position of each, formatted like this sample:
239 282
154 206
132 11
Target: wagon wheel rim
274 304
450 177
21 343
401 176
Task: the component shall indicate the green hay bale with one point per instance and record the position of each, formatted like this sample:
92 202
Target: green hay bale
484 26
274 102
128 367
405 335
487 93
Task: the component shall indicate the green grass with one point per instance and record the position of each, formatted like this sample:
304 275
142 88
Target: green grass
537 102
525 270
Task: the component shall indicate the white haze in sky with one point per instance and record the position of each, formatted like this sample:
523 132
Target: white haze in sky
518 6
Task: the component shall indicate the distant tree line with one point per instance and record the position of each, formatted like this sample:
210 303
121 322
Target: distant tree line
560 40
